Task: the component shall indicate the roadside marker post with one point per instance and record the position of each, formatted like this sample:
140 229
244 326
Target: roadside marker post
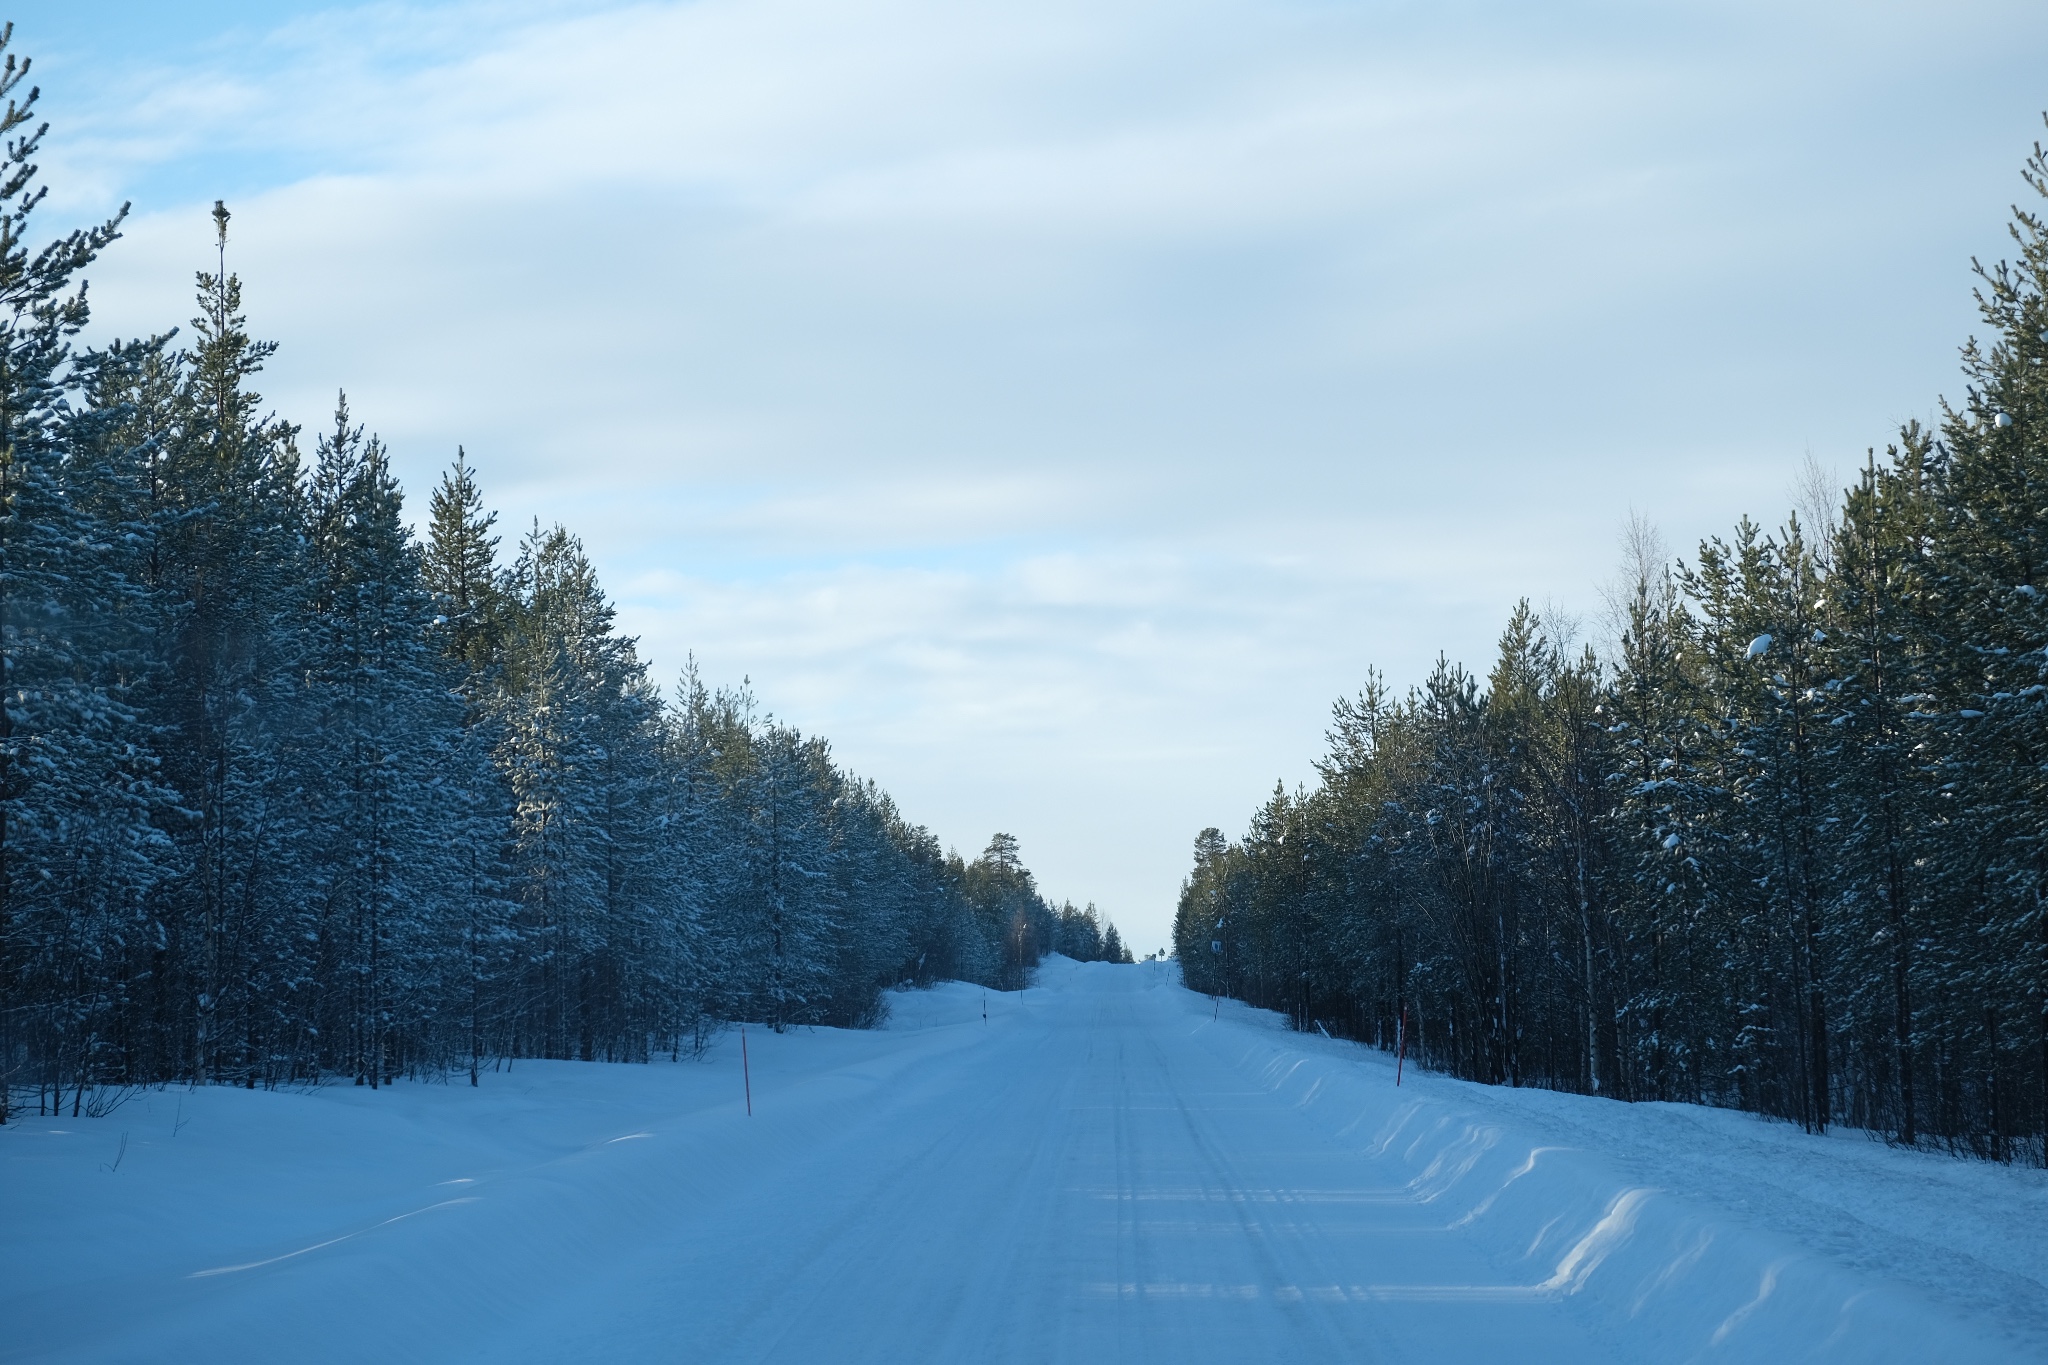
1400 1045
746 1072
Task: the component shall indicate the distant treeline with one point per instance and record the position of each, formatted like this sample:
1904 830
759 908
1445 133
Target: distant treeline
285 793
1784 848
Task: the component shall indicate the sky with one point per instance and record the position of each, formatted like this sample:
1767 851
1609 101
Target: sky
1059 405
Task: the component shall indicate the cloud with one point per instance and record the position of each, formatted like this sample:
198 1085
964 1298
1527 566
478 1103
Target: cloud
1058 404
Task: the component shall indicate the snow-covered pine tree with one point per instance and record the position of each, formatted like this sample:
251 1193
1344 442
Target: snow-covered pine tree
461 567
114 626
580 746
795 909
644 961
1762 613
875 898
1007 907
1079 933
1988 576
388 717
945 942
76 789
1471 824
707 750
232 557
1876 660
1668 839
1373 930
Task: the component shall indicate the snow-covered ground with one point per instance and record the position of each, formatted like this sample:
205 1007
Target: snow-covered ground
1099 1172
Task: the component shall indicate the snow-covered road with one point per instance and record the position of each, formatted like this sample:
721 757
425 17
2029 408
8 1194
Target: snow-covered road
1100 1172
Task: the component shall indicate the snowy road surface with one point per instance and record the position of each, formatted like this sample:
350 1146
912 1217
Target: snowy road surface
1100 1172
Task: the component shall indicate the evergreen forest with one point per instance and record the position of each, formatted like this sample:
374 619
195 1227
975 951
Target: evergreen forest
289 792
1782 846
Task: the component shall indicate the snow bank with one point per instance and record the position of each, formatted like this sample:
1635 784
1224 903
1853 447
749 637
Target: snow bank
1713 1235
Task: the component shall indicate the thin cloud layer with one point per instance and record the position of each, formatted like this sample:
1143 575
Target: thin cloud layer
1057 405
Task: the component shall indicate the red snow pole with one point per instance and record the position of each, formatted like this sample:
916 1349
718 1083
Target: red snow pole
746 1075
1400 1044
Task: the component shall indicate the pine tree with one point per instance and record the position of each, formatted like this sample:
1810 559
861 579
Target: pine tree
1665 835
1989 574
1762 617
387 713
226 556
1877 658
462 569
580 740
790 859
72 822
1008 908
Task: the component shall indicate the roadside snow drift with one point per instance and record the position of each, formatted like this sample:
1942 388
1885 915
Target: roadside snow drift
1098 1171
